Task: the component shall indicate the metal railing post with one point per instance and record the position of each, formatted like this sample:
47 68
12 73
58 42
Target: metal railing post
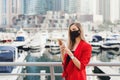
52 72
42 77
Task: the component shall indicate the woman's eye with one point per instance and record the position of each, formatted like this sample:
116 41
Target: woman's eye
73 29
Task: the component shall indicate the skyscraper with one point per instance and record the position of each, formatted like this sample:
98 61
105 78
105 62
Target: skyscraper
70 6
34 7
110 9
8 10
114 10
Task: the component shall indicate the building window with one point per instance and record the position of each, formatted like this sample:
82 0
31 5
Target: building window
4 6
4 21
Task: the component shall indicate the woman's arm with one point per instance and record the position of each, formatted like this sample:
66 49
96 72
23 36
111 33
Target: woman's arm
83 61
62 54
86 55
75 60
62 46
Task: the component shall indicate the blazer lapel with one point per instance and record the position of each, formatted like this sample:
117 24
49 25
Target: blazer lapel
78 49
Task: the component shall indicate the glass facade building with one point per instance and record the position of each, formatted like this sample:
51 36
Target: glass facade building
34 7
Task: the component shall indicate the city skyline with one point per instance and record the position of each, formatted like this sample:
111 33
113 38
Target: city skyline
100 10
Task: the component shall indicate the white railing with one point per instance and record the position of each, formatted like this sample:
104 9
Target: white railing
51 65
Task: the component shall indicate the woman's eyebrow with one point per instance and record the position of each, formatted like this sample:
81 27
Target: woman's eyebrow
74 29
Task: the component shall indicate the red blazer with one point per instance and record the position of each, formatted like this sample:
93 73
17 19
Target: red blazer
83 54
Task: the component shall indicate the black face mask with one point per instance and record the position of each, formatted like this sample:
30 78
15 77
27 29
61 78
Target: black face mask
74 34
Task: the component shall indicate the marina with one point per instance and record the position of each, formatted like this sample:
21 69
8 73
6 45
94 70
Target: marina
30 30
43 47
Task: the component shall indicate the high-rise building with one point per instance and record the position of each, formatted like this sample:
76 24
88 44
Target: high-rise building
56 5
99 6
106 10
119 10
70 6
66 5
114 10
78 6
110 9
8 10
34 7
85 7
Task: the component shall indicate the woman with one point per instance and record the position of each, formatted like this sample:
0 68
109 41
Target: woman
77 55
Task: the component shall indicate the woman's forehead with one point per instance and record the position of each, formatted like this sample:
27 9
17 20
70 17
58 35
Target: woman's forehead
73 27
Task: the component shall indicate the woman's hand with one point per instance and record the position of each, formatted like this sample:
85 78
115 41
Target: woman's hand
67 51
62 48
61 45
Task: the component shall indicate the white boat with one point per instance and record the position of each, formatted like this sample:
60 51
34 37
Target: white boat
38 40
108 42
52 41
96 43
22 39
11 54
96 40
53 46
6 37
111 43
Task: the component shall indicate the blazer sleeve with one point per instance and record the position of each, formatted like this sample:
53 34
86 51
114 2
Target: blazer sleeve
64 59
85 56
